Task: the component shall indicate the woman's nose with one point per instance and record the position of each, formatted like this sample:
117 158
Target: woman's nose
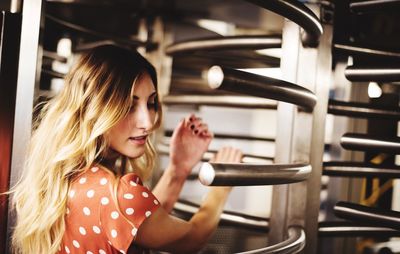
143 118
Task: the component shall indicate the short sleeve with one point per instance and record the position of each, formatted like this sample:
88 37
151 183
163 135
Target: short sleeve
135 203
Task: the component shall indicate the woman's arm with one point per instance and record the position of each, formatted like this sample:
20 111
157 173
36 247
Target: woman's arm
164 232
189 142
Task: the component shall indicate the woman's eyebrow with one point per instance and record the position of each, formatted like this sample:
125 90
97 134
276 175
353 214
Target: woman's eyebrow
151 95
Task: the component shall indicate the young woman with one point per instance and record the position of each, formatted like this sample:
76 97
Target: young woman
81 189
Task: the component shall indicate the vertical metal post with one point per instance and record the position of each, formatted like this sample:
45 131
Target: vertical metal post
10 24
301 135
27 80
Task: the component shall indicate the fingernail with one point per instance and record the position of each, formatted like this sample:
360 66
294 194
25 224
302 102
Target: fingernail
192 126
196 131
191 119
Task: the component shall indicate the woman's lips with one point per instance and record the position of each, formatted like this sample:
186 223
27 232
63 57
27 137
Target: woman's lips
140 140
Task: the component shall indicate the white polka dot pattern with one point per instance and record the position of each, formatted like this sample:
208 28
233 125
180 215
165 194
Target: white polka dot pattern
94 224
96 229
86 211
128 196
103 181
76 244
90 193
82 230
104 201
114 215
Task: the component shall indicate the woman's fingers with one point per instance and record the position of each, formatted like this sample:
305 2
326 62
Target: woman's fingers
228 154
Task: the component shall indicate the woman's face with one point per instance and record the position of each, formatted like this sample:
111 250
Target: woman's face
128 137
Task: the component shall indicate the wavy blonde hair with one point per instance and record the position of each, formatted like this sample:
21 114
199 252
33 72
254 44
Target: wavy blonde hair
69 137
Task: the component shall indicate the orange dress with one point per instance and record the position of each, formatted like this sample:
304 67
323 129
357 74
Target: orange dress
95 223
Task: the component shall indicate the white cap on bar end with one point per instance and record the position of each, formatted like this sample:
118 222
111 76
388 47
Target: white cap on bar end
206 174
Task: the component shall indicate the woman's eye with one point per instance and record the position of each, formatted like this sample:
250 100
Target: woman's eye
152 105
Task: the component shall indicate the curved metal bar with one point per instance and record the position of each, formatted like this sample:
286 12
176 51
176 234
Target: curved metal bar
225 43
358 169
362 110
370 215
298 13
363 142
260 86
168 133
54 56
247 158
220 101
380 74
246 174
294 244
53 74
353 229
227 217
98 34
373 5
354 50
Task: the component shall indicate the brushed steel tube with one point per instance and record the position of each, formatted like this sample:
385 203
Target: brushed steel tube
368 52
359 169
85 30
231 218
299 14
294 244
53 74
225 43
220 101
247 174
371 215
353 229
373 5
363 142
247 157
260 86
362 110
380 74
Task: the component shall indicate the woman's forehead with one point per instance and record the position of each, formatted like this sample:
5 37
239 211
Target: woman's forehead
143 86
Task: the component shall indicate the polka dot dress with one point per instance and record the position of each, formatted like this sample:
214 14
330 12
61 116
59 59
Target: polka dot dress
95 223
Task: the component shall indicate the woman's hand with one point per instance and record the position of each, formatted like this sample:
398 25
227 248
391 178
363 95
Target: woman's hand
189 142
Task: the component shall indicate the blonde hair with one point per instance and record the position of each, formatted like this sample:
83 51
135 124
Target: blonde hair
70 138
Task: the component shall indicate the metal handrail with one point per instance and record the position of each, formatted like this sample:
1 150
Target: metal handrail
227 217
380 74
362 110
260 86
247 174
359 169
364 142
373 5
220 101
247 157
353 229
370 215
85 30
369 52
299 14
225 43
53 74
294 244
